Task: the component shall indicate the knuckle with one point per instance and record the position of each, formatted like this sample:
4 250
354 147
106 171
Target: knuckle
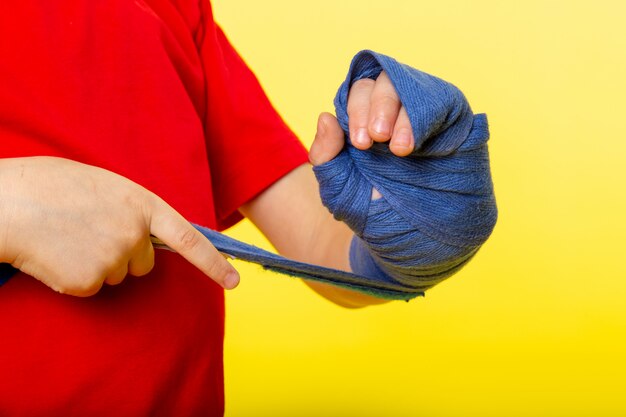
358 110
114 280
218 268
139 201
188 239
359 97
386 102
141 268
108 260
363 84
403 118
404 121
90 279
83 286
91 290
402 130
135 236
132 198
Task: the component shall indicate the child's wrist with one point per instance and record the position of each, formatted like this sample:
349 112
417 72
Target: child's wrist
362 262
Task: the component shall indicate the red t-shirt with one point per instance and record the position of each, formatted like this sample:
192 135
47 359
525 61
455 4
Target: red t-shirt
151 90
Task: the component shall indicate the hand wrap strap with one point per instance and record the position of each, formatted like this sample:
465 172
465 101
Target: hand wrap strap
437 206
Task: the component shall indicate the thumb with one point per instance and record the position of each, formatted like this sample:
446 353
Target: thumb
329 140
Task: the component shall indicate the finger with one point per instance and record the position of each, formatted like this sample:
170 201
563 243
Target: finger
328 141
402 141
384 108
181 236
88 290
116 276
142 261
358 113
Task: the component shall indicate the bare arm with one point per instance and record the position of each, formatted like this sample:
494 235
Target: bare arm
290 213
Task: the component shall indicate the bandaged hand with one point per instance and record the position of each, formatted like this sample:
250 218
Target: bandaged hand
375 114
422 204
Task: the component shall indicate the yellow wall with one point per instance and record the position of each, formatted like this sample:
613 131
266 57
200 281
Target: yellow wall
536 324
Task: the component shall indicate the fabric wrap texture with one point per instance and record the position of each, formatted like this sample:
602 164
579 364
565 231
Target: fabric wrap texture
437 205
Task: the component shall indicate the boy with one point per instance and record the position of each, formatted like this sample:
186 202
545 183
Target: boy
107 111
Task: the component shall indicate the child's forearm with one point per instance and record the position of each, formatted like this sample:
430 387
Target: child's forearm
291 215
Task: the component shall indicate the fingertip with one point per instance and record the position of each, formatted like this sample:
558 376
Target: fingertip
221 271
232 280
402 141
400 151
380 129
325 118
329 140
361 139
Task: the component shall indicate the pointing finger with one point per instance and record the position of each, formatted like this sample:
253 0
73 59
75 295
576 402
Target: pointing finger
181 236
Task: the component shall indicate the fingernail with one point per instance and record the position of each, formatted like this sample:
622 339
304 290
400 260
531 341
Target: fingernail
362 138
231 280
382 127
403 139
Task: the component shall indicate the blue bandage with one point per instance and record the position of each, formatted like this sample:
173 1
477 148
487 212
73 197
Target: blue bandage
437 205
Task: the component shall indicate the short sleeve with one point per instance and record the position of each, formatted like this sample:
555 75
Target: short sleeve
249 145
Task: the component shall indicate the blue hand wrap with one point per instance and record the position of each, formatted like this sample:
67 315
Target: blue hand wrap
437 205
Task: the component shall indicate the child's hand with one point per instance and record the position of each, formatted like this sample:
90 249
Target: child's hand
375 114
75 227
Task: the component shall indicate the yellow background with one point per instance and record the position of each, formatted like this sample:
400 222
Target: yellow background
536 324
